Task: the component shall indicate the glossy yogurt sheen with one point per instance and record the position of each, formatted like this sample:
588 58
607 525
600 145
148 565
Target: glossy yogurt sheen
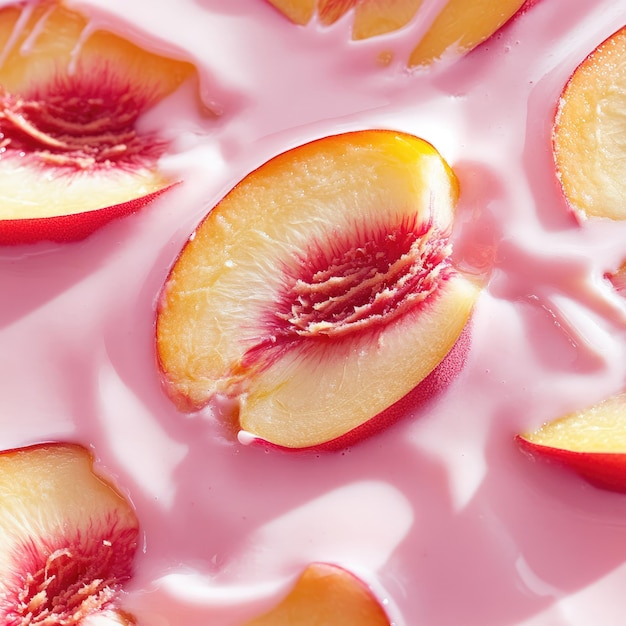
441 514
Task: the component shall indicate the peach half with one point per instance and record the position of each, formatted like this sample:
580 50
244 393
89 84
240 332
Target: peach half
460 26
319 291
329 595
592 442
587 133
68 539
72 155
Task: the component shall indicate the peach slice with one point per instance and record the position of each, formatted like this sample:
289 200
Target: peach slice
320 290
298 11
592 442
460 26
68 539
587 135
329 595
72 155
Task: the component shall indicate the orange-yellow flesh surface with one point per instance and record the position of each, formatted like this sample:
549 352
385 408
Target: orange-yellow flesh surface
316 398
53 506
589 139
229 270
48 41
228 281
298 11
109 618
325 595
461 26
377 17
599 428
44 50
53 486
27 192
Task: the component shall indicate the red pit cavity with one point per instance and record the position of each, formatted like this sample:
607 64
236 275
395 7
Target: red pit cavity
80 122
356 282
64 581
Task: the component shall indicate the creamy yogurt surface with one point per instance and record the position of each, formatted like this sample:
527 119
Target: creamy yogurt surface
441 514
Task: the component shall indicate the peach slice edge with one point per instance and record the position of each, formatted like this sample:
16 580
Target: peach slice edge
40 190
183 302
55 510
449 32
329 595
459 27
286 393
586 146
591 442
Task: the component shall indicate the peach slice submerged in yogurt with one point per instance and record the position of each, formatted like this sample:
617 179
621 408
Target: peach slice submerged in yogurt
68 539
325 594
591 441
320 291
457 27
588 133
72 153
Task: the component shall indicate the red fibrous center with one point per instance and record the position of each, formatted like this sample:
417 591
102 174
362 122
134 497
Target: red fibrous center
77 123
60 584
357 282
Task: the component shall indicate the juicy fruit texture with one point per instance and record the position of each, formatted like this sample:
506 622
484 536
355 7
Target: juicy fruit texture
588 133
68 539
329 595
298 11
70 101
320 290
460 26
592 442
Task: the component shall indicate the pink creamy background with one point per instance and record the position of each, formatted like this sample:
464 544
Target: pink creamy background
441 514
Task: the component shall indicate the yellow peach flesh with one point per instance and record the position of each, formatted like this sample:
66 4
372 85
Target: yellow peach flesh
328 595
23 189
212 311
589 144
298 11
313 400
461 26
597 429
51 37
62 528
44 51
373 17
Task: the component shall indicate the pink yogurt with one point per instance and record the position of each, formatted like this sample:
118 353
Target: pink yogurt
441 514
